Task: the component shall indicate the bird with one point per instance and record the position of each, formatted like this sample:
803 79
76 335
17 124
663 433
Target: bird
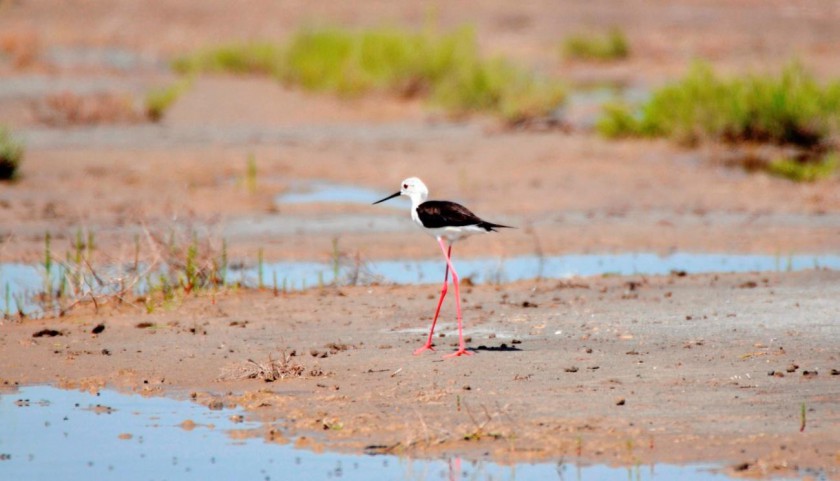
447 222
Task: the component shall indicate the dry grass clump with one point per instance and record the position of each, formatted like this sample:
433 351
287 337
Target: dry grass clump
270 370
67 109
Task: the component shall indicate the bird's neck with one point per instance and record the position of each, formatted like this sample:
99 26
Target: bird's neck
416 200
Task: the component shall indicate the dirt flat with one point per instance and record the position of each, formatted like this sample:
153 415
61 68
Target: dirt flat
614 370
617 370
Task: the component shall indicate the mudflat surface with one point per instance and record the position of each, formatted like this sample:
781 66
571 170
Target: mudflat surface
615 369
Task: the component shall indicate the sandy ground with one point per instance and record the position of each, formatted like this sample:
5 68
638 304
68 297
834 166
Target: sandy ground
615 370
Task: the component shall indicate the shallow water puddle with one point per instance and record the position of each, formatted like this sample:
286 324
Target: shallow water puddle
48 433
297 275
330 192
20 283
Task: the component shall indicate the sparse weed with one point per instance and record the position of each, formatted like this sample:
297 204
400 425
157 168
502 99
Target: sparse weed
48 252
149 298
335 259
8 305
355 269
611 45
191 279
173 269
166 289
223 265
260 269
11 155
804 171
136 252
159 100
48 263
802 418
251 174
78 247
446 68
241 58
91 245
62 282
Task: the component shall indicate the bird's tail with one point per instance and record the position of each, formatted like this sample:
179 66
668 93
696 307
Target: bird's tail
490 227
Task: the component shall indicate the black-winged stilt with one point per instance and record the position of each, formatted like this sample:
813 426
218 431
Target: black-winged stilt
443 220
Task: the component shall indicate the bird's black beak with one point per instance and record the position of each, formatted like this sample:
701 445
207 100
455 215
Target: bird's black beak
387 198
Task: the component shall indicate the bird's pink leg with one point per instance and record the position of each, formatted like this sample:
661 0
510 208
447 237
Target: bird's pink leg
462 351
428 344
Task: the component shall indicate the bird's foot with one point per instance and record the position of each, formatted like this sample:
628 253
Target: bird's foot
460 352
427 347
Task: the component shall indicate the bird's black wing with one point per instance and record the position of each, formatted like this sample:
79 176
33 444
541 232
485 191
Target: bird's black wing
441 213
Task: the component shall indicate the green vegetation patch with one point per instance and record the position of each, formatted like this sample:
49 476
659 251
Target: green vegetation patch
251 57
804 170
11 155
160 99
790 109
445 68
612 45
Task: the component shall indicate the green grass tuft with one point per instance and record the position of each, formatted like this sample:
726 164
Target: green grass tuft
445 68
160 99
791 108
805 171
498 86
11 155
241 58
612 45
618 120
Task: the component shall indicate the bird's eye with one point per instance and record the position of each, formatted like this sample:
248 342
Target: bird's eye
405 186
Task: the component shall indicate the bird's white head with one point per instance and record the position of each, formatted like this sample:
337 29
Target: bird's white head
413 188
